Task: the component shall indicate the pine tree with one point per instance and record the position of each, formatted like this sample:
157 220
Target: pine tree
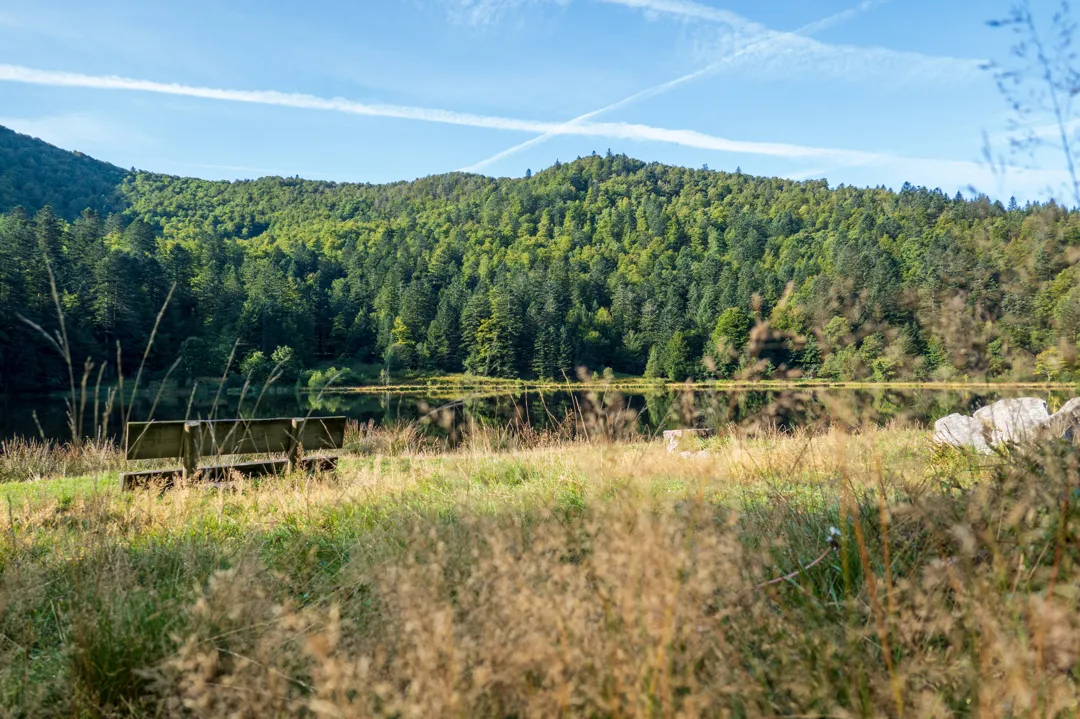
545 364
401 354
493 356
444 336
566 353
677 361
477 309
654 368
732 330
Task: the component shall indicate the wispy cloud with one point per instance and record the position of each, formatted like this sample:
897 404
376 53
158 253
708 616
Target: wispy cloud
684 9
618 130
764 42
690 10
775 51
485 12
792 51
32 76
479 13
730 39
615 130
918 168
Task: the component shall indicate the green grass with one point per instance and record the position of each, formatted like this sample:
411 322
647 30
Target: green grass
617 578
58 489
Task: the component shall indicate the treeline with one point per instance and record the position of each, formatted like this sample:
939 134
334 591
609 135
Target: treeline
605 262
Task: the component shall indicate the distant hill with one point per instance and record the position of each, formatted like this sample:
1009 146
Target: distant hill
603 262
34 173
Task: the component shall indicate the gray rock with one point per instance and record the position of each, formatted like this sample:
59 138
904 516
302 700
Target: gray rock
959 430
1014 420
1066 421
674 438
1024 419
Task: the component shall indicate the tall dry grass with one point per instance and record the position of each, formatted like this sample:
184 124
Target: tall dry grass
577 580
29 459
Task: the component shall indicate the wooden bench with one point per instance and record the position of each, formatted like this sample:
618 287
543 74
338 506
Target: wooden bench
189 442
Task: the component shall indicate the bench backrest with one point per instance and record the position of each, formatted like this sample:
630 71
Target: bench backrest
165 440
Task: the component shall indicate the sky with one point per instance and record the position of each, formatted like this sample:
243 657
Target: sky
859 92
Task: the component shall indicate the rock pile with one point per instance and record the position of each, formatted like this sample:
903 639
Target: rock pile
1009 421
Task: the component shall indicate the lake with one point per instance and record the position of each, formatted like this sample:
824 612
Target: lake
442 411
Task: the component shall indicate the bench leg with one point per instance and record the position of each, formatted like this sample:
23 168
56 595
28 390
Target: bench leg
294 444
191 451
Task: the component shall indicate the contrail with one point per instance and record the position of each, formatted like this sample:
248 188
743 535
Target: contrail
770 40
958 172
31 76
619 130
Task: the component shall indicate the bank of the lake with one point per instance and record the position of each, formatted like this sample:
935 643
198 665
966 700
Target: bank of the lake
447 403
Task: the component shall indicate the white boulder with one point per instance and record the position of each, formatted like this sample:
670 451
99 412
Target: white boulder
1014 420
959 430
1009 421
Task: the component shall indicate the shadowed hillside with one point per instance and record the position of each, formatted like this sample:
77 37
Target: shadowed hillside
34 174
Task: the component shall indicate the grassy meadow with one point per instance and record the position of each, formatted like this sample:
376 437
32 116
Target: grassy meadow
802 574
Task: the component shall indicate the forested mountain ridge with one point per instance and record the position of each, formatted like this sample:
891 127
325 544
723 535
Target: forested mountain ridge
601 262
34 174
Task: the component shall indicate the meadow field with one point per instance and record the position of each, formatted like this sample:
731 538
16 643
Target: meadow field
807 573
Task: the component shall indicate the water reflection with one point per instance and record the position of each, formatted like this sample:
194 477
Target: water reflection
594 413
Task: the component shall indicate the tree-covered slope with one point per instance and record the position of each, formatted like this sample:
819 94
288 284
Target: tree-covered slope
602 262
34 174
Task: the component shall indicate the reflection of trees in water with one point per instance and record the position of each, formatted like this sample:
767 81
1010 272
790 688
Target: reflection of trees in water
747 409
329 403
481 411
552 409
659 405
890 406
648 412
791 408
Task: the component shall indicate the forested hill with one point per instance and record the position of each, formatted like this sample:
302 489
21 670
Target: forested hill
605 262
34 174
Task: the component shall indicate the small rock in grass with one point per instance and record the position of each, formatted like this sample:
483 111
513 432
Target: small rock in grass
675 437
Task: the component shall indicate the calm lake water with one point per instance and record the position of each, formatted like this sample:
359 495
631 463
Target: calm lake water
37 416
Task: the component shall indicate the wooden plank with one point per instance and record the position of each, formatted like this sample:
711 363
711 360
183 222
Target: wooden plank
155 440
165 440
271 436
244 436
319 433
219 472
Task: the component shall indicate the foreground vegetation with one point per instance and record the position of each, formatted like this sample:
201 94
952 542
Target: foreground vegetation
806 574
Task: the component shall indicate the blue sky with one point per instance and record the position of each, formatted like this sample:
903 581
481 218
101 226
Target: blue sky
863 92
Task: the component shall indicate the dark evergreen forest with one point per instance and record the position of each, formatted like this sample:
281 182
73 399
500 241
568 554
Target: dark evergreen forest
604 262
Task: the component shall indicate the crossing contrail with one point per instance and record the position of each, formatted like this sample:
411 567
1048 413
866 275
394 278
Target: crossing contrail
682 8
